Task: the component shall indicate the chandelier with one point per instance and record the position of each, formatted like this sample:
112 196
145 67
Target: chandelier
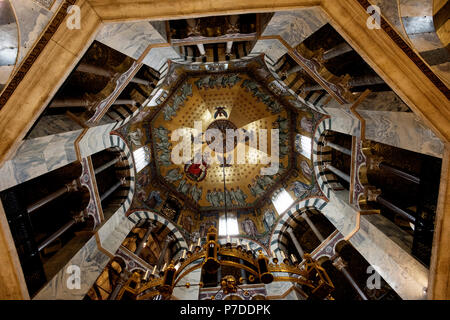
211 256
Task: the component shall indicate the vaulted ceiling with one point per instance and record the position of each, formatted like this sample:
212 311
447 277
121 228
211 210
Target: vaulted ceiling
239 97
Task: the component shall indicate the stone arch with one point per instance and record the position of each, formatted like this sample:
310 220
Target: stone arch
137 269
286 219
120 261
156 90
429 39
326 180
118 141
136 216
317 101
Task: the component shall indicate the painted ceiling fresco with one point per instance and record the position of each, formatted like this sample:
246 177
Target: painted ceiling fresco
238 96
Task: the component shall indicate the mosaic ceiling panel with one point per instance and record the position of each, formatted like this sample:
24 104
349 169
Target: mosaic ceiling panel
238 96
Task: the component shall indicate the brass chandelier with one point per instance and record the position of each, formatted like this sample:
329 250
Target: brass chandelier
314 279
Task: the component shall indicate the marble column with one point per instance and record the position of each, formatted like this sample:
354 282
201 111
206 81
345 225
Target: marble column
312 226
338 148
201 48
143 241
58 233
394 208
107 165
70 187
219 274
386 122
125 101
337 172
83 67
382 243
123 278
112 189
340 264
229 46
163 253
355 82
67 103
294 69
407 176
337 51
296 243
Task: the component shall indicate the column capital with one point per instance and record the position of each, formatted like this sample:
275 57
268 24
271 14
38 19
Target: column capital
80 217
339 263
373 162
72 186
372 193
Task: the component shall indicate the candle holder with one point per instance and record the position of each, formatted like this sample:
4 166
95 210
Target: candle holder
161 272
146 276
183 256
274 257
284 258
249 250
294 260
198 246
238 245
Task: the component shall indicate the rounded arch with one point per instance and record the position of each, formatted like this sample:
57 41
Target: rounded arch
138 269
288 218
156 92
326 180
120 261
120 143
431 13
137 215
316 102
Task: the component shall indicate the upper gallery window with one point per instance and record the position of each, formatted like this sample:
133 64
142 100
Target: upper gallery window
229 226
303 145
282 201
141 158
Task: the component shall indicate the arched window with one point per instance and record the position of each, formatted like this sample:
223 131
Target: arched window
303 145
228 226
141 158
282 200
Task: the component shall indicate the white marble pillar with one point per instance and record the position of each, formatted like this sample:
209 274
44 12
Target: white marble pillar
312 226
296 243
